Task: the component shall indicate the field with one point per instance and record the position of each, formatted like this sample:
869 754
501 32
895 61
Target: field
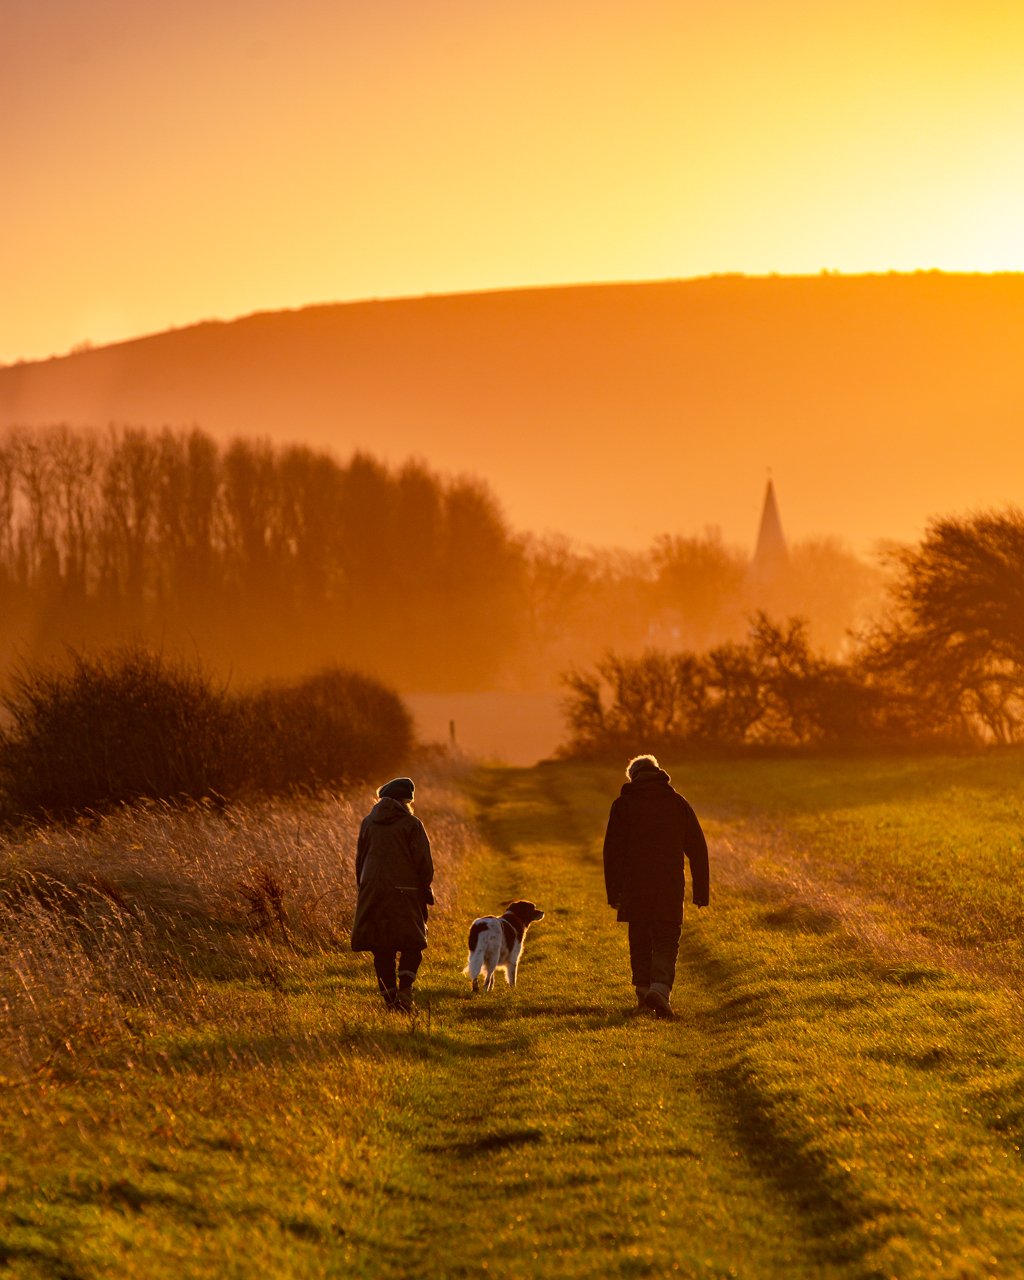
198 1079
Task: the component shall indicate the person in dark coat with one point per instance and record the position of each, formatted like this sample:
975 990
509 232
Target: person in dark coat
651 833
394 871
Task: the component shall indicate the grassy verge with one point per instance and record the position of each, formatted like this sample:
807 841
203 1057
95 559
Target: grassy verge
937 839
192 1085
882 1096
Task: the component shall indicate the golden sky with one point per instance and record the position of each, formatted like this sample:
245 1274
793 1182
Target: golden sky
166 163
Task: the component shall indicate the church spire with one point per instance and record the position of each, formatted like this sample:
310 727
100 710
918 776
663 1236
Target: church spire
771 552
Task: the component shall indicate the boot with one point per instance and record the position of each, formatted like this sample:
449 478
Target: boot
658 1000
389 995
403 997
641 996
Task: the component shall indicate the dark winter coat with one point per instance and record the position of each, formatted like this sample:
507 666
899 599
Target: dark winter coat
651 831
393 871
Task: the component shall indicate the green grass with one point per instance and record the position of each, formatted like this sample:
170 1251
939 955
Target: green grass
940 838
842 1094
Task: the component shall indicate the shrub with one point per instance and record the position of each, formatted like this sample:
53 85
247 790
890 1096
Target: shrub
658 698
333 727
771 692
105 729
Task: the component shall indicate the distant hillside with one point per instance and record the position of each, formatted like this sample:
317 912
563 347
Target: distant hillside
616 412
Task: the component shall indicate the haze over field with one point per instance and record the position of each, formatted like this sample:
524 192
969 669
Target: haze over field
626 260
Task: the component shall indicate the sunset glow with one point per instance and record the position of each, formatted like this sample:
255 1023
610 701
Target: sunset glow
166 164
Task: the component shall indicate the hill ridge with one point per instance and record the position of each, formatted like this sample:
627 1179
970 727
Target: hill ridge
612 412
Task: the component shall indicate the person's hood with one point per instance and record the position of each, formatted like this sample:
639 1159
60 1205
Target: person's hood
646 778
388 810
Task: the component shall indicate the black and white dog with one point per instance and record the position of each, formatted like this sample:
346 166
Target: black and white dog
496 942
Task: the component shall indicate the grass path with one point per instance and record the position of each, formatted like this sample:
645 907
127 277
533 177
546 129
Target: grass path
822 1107
571 1135
826 1104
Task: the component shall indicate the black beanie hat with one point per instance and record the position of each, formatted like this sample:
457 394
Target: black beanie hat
397 789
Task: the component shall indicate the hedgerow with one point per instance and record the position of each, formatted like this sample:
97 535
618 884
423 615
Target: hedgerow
103 729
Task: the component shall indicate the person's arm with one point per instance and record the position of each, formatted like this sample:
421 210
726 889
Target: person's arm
697 854
423 863
615 853
362 849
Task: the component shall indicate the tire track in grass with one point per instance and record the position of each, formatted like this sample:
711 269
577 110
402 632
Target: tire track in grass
827 1203
558 1131
879 1082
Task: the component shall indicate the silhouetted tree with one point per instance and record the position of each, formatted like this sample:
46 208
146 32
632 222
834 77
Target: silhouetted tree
479 599
954 634
557 615
127 519
186 522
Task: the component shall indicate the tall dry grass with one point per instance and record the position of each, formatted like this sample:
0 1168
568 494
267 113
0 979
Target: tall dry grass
111 927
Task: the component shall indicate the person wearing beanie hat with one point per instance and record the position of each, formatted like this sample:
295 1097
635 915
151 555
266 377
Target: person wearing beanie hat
652 832
398 789
394 872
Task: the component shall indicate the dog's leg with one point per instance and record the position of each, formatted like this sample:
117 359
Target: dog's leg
490 962
474 963
513 964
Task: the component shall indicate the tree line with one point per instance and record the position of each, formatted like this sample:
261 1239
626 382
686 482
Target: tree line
278 561
266 561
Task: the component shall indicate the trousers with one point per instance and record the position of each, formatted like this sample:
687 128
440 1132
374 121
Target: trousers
384 967
653 947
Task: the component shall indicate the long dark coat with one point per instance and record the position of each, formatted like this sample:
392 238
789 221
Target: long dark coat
651 832
393 871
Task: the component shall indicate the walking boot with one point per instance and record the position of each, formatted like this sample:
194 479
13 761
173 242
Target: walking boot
641 996
403 997
658 1000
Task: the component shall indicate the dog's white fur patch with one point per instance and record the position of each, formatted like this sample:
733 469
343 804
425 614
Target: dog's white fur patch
489 948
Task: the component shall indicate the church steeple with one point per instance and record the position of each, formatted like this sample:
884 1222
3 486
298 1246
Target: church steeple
771 552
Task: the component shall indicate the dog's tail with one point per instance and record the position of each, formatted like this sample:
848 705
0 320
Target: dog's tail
475 959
